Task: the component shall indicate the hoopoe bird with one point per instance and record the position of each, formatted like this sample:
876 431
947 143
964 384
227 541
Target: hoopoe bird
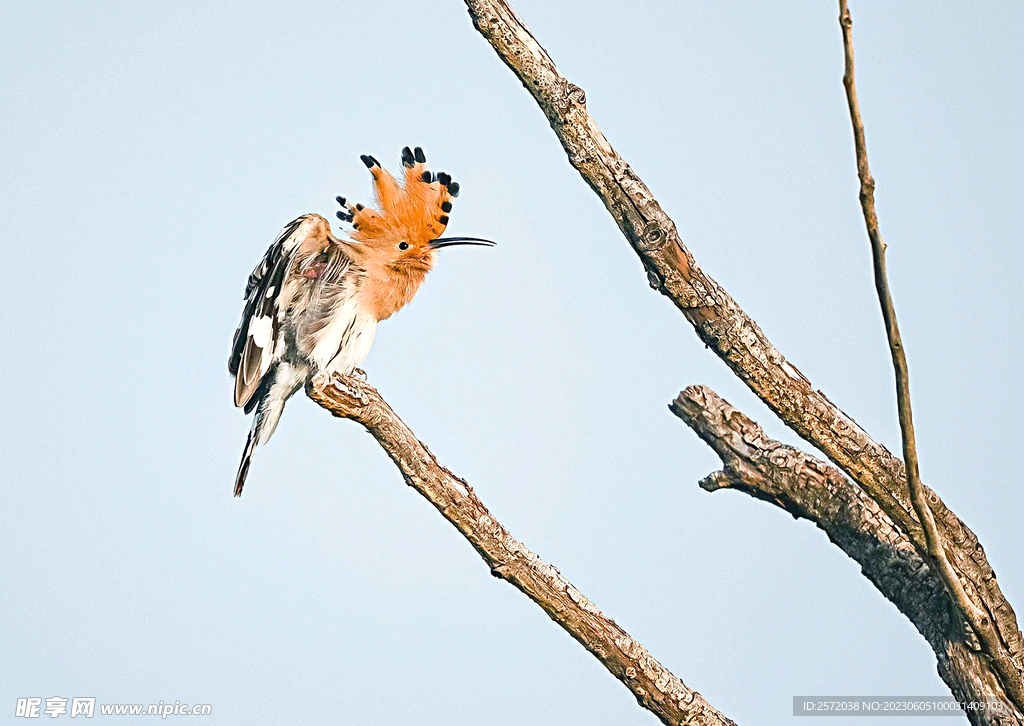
313 302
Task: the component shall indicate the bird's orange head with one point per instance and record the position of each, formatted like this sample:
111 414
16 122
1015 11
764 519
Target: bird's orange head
399 237
403 231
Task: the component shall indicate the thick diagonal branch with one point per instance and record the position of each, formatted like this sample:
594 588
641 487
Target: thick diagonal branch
654 687
810 488
723 326
936 548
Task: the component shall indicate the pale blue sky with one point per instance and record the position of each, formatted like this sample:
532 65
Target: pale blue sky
153 150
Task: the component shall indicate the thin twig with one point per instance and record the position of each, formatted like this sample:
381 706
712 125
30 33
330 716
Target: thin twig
654 687
974 615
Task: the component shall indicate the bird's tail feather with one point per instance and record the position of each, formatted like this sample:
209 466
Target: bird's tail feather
250 449
257 434
275 393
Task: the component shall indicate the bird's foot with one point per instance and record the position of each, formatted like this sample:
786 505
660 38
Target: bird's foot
359 373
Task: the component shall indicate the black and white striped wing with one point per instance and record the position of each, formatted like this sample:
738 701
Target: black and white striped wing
256 345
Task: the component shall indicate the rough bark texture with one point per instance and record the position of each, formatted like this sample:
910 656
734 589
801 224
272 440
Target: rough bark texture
725 328
810 488
654 687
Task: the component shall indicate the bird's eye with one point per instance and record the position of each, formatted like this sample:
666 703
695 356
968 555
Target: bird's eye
403 245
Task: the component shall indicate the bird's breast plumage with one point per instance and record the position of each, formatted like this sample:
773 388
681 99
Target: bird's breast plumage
388 289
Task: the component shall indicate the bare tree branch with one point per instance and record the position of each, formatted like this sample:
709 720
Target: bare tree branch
654 687
974 615
724 327
810 488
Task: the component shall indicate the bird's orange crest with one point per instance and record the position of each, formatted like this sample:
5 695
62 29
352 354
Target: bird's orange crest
414 211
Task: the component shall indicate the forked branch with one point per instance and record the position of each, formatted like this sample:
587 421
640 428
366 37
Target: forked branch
810 488
654 687
934 545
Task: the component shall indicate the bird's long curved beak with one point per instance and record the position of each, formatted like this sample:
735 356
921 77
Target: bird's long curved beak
452 241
